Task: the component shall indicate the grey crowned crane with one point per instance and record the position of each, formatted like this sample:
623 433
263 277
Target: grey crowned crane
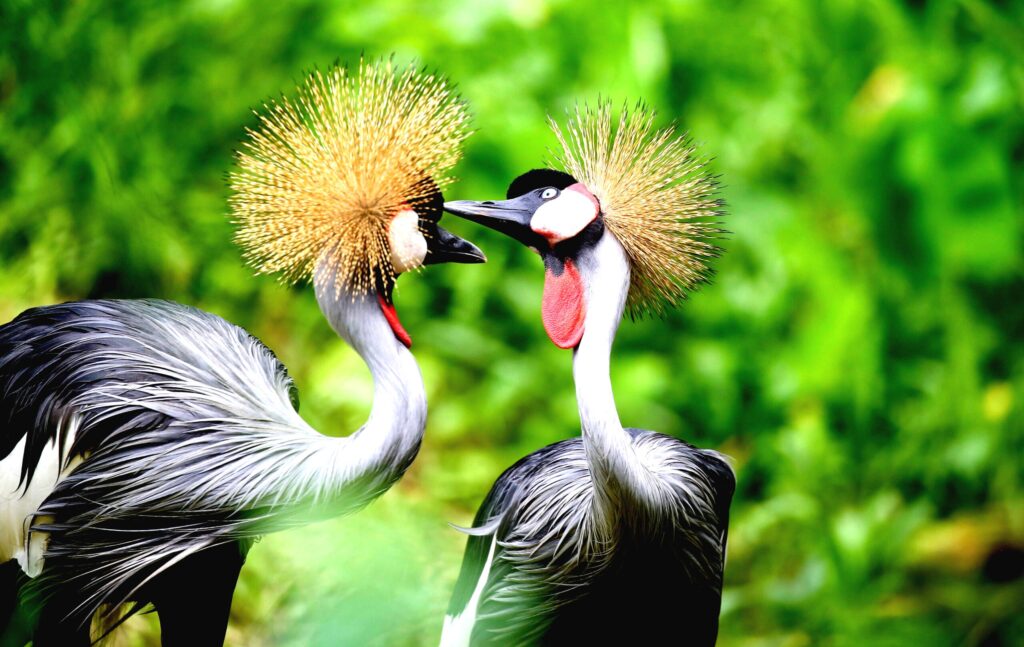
617 537
145 445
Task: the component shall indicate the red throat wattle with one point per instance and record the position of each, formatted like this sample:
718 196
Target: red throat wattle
396 326
563 308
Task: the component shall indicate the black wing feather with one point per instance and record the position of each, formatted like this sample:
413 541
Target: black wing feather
503 497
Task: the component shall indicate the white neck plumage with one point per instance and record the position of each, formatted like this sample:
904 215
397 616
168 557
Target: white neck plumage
620 479
376 455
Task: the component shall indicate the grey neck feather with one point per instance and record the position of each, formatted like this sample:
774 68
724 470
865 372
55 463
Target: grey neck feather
381 450
620 479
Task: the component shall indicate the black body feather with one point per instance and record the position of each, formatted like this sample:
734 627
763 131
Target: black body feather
644 592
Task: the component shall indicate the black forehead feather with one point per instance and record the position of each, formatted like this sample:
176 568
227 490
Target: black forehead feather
431 206
536 179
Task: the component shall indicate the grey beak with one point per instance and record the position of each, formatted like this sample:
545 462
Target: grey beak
510 217
446 247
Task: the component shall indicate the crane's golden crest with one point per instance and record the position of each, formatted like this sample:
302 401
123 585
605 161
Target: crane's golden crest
657 197
322 176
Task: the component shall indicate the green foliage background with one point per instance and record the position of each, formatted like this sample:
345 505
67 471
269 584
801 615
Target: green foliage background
859 354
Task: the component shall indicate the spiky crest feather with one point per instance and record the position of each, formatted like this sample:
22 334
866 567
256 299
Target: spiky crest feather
657 197
322 175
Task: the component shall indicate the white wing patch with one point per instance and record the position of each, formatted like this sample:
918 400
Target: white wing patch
459 629
19 502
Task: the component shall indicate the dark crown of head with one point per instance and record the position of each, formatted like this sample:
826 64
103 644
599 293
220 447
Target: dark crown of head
536 179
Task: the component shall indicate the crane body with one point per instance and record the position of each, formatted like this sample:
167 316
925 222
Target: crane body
586 533
145 445
619 536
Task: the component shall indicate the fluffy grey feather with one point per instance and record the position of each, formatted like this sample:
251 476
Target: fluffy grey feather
190 439
552 546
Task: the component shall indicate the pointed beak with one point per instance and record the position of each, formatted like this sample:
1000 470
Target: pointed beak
510 217
446 247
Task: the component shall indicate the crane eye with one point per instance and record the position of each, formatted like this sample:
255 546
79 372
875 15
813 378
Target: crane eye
549 193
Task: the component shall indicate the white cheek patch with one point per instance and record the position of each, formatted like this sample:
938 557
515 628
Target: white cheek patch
408 246
565 216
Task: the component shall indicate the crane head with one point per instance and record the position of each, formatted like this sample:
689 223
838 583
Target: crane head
343 183
557 217
647 188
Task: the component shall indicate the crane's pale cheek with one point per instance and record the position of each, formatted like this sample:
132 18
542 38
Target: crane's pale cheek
564 308
408 246
565 216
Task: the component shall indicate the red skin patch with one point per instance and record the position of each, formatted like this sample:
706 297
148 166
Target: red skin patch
396 326
563 308
579 187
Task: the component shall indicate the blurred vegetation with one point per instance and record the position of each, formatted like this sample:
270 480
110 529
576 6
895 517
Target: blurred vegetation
860 354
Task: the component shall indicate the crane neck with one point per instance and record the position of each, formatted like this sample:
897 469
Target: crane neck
620 479
376 455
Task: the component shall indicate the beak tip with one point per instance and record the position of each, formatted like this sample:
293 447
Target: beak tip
476 255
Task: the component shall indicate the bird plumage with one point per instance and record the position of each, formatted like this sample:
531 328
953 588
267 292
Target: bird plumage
580 524
171 434
321 178
139 388
618 536
548 558
186 438
657 197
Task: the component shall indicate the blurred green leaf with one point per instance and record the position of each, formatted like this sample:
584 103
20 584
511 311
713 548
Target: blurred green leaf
859 352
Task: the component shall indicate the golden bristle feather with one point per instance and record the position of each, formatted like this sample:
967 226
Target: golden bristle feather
657 197
321 176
